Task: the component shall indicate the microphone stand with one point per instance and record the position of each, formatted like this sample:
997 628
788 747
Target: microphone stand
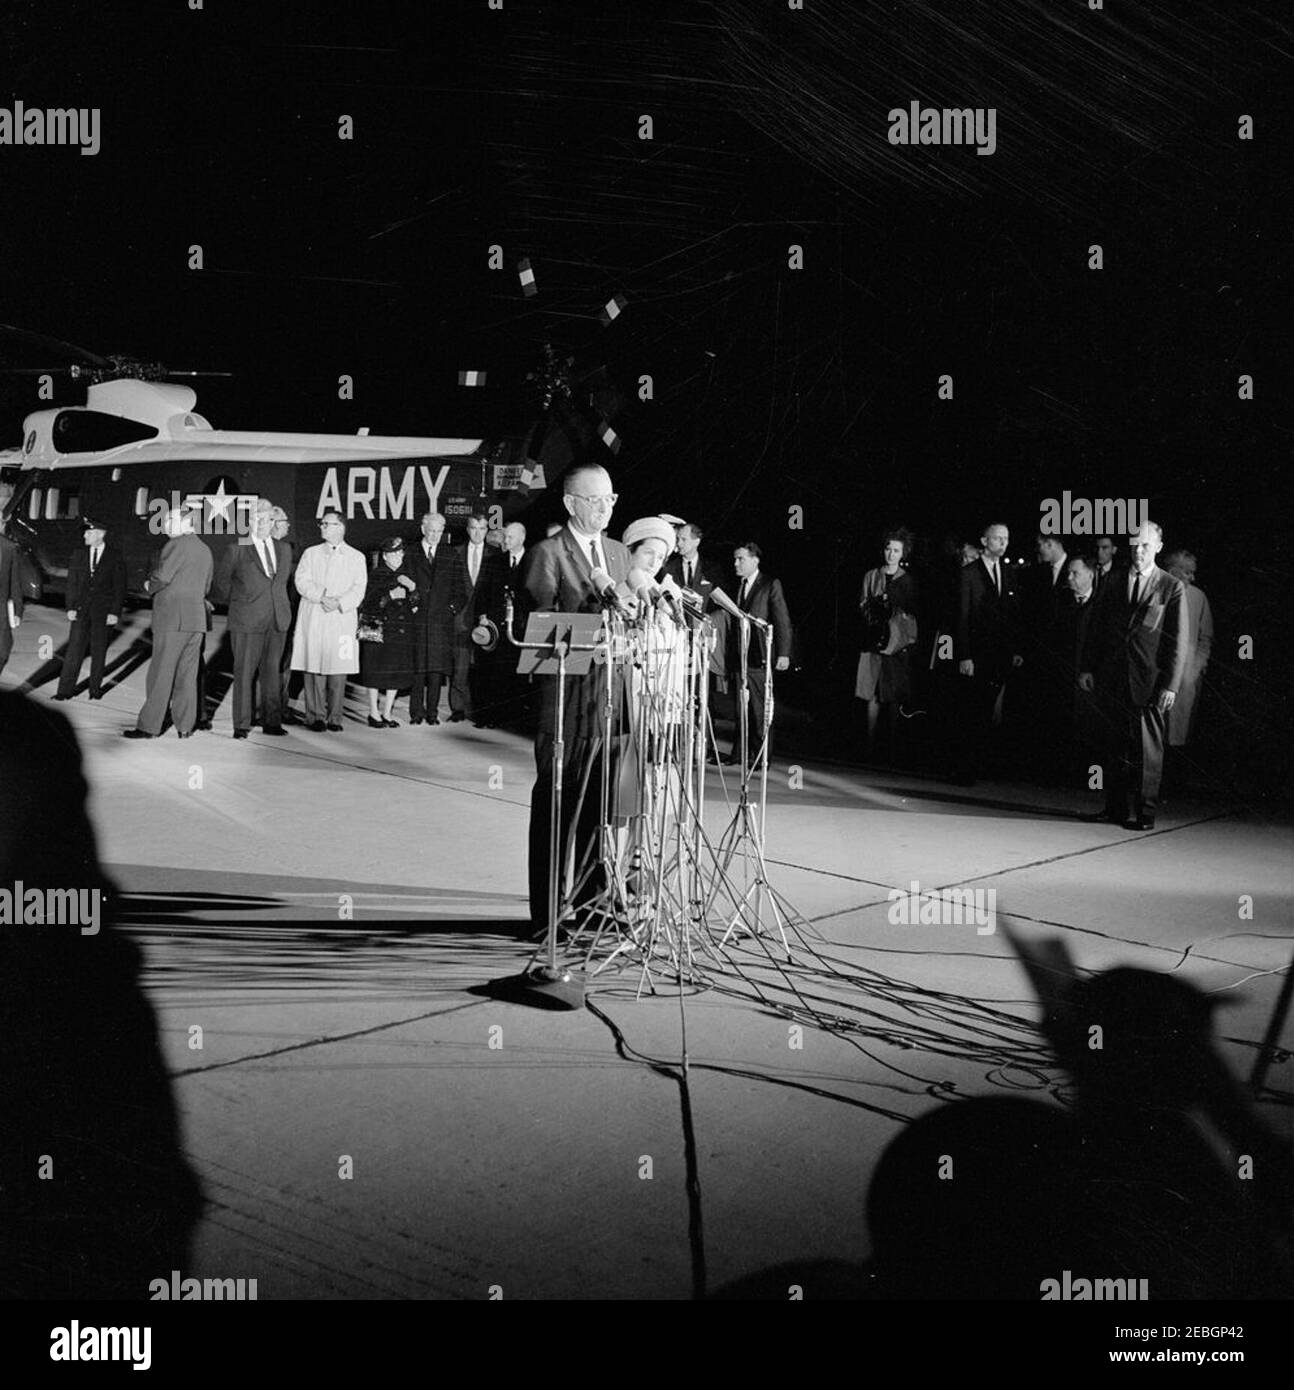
747 827
604 850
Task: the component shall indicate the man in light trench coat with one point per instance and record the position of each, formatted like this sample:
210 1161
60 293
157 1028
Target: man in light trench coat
331 579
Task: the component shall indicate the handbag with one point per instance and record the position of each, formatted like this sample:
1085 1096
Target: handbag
875 616
370 630
903 632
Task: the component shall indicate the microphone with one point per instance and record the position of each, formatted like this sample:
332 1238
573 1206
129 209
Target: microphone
672 595
647 591
721 600
609 593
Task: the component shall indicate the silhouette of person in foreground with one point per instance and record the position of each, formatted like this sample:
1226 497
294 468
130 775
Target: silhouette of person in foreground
1160 1172
96 1196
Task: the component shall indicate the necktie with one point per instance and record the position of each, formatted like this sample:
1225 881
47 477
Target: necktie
1136 590
94 559
745 592
687 574
512 562
269 558
593 554
473 562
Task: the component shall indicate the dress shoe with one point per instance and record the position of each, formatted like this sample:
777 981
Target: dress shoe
240 733
390 723
96 694
1140 823
1099 817
333 728
457 718
373 723
317 726
64 697
415 719
135 733
204 725
190 734
434 719
277 730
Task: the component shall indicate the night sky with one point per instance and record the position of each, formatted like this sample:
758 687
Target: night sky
773 387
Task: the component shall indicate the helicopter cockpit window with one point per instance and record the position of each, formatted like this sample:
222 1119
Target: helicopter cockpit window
91 431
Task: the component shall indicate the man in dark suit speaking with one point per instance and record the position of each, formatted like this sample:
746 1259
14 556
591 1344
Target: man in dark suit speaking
557 576
179 587
253 580
1139 669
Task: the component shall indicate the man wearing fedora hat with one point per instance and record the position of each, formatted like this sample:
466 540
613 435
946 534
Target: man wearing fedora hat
96 592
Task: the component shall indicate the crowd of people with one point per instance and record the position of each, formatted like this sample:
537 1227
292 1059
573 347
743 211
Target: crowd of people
1087 663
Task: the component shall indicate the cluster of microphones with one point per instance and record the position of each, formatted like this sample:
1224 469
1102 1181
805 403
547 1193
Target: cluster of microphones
650 595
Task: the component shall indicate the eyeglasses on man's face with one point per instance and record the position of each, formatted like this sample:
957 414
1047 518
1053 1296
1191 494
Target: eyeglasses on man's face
607 499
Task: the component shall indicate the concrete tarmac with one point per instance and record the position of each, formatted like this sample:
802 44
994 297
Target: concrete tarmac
369 1123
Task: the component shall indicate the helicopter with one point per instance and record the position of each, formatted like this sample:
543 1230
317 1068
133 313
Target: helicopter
138 447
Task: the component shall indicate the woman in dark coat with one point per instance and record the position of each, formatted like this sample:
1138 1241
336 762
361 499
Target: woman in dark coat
889 601
390 603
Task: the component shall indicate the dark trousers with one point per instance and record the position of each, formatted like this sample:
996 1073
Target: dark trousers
579 754
460 682
258 654
979 700
6 635
324 696
92 631
510 700
172 682
1135 762
424 698
755 683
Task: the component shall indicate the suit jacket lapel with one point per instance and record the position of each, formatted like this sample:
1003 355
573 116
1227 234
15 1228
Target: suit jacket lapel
1149 584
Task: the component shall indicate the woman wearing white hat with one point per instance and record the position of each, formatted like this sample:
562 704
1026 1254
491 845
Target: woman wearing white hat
657 698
